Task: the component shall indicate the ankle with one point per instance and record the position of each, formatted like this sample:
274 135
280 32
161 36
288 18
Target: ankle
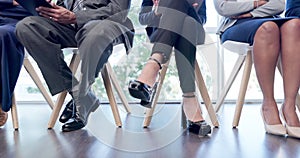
156 61
189 95
151 70
268 105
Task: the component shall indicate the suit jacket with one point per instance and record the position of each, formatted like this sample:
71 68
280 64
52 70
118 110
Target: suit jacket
115 10
7 9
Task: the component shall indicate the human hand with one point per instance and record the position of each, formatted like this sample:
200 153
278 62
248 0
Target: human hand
259 3
15 3
195 5
246 15
58 13
155 2
155 5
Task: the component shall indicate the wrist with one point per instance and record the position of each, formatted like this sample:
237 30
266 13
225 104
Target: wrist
255 4
72 18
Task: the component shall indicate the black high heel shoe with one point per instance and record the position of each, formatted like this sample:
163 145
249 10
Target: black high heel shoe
200 128
143 91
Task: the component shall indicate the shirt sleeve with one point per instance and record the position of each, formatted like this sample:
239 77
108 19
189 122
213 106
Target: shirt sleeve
229 8
5 3
147 15
273 7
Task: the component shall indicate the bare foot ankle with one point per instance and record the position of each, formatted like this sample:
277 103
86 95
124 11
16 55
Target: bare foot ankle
150 71
192 108
290 115
270 113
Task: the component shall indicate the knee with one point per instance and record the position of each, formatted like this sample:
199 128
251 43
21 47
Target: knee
23 26
268 32
5 33
292 26
100 33
268 28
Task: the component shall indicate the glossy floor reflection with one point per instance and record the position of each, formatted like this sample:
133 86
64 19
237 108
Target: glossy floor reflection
164 138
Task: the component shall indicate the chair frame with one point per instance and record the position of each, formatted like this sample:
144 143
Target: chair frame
247 61
33 74
109 80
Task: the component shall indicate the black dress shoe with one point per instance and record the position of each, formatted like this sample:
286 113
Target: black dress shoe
68 112
200 128
76 124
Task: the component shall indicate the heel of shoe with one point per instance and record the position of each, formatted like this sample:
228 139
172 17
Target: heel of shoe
277 129
200 128
139 90
142 91
291 131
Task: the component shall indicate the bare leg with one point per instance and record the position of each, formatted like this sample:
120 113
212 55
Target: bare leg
290 40
191 107
150 70
265 54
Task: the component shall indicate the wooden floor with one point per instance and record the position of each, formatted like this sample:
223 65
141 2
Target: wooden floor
164 138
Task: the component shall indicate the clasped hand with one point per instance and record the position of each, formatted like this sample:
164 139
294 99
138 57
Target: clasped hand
57 13
256 4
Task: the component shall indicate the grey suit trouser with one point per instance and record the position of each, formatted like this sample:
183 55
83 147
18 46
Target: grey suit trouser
44 39
179 29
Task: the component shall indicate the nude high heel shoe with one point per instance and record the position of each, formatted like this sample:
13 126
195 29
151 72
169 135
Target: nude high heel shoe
291 131
277 129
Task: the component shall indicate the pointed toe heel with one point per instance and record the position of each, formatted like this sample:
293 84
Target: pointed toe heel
277 129
291 131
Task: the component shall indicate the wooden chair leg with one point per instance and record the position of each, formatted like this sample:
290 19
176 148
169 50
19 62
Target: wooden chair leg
29 68
243 89
149 112
237 67
205 96
61 96
55 112
14 113
114 80
111 98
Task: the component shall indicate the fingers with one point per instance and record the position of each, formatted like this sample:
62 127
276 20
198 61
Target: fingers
49 12
46 13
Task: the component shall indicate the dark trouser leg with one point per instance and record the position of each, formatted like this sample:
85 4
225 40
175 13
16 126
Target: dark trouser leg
44 39
95 46
170 27
12 54
185 53
185 62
